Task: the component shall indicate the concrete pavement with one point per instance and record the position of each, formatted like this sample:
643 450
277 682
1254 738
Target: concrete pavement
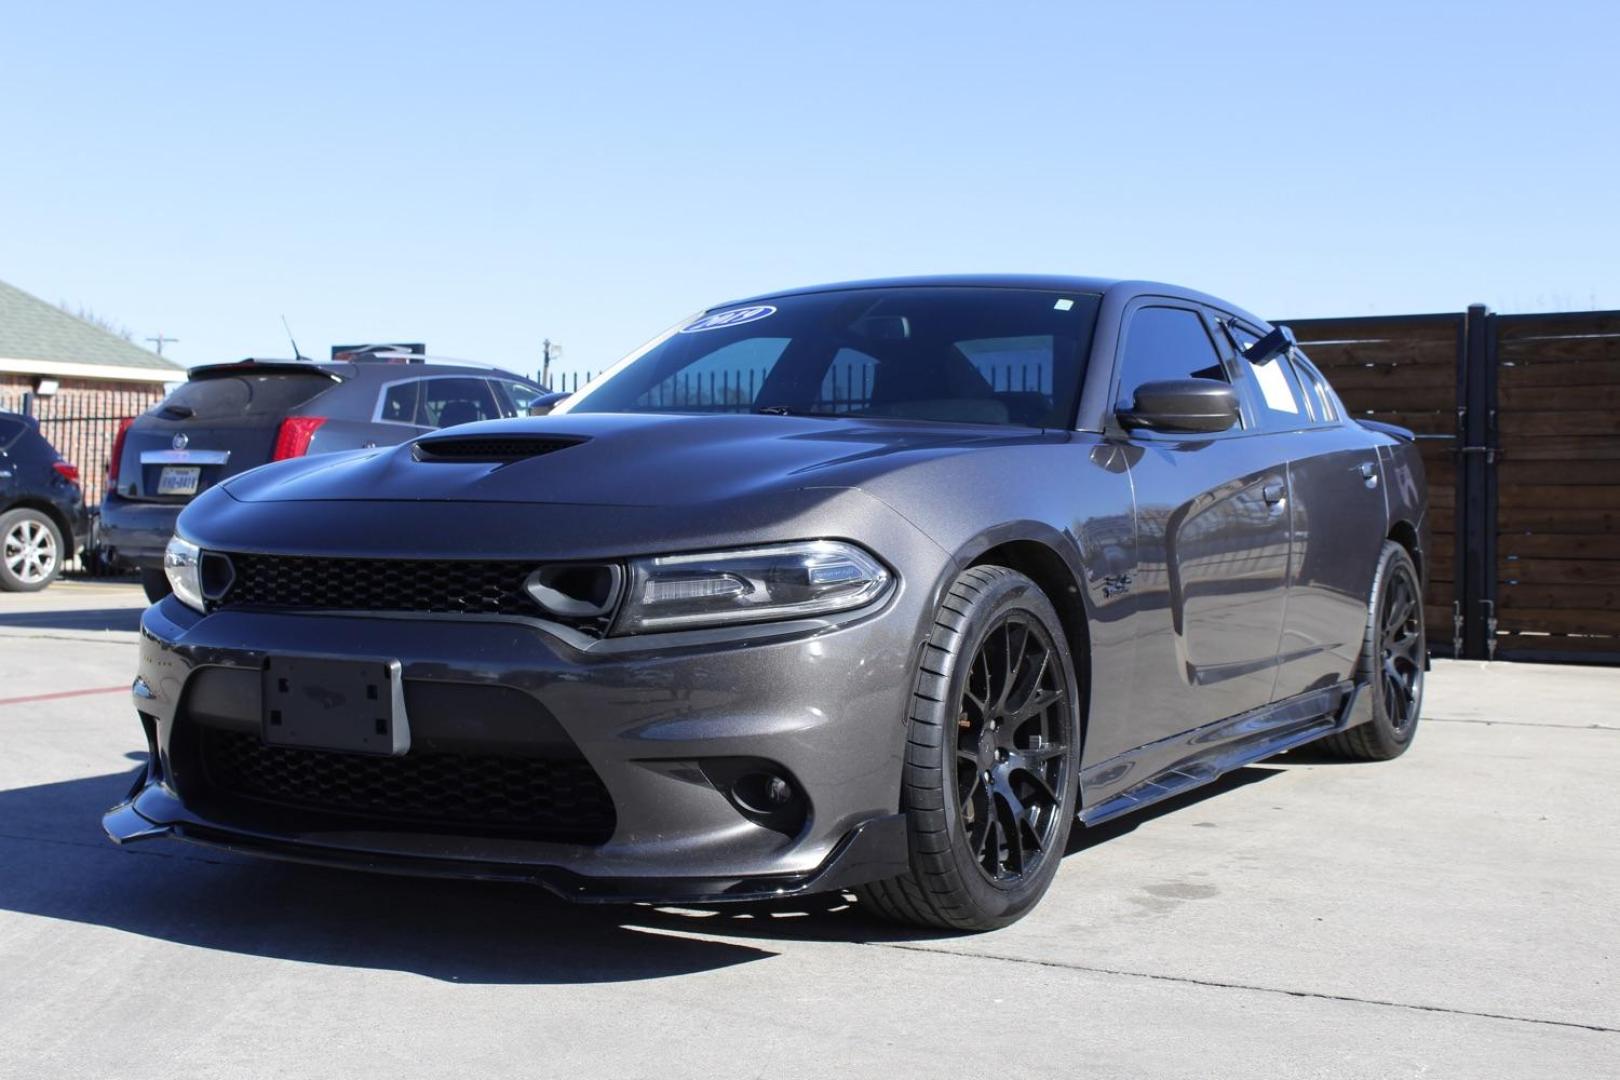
1450 914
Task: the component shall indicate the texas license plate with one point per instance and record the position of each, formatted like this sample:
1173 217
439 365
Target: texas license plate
179 480
319 703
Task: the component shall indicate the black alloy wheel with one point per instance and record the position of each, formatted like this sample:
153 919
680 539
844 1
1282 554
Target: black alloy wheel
1394 657
1012 749
1401 647
992 759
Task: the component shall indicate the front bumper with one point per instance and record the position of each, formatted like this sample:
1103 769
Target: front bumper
827 707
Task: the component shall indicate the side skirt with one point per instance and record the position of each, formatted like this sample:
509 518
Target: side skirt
1109 788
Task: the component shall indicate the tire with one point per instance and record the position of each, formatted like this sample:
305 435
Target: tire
1026 728
31 551
156 584
1394 654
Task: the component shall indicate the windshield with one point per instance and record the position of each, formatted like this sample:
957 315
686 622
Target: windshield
953 354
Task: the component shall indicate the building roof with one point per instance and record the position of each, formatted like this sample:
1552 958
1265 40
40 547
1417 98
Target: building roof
37 338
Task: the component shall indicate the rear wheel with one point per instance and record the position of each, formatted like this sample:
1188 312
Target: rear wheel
1394 654
30 551
992 759
156 584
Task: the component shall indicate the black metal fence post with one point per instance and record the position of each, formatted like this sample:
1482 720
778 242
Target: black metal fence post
1476 494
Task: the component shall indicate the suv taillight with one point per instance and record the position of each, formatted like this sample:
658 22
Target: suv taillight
66 471
117 452
292 438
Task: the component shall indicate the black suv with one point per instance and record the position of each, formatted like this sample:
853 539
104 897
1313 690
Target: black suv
228 418
41 507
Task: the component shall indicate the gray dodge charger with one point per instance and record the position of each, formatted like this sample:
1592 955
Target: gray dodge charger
880 586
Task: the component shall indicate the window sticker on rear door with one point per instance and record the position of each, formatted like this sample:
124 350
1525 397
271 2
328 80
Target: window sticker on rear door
735 317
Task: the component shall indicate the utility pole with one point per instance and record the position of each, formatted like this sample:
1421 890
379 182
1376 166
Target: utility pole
548 353
159 340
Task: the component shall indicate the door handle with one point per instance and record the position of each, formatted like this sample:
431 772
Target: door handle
1369 474
1274 493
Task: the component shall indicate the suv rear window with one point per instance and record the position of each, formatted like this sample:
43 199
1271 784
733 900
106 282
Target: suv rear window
221 397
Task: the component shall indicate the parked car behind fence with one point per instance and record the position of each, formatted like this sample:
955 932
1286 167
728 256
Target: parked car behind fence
42 515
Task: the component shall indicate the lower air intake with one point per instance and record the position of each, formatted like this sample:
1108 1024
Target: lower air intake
558 799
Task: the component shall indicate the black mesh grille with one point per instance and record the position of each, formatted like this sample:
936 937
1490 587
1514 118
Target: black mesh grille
306 583
488 448
560 799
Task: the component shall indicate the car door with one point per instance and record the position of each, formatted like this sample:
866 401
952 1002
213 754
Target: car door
1337 510
1212 536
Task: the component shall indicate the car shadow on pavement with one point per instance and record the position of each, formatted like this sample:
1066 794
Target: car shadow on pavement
122 618
56 863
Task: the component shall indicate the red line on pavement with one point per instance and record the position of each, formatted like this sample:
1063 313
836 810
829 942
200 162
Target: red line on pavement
63 694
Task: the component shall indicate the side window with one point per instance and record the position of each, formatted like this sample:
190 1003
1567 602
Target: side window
726 380
399 402
1317 392
455 400
9 430
1281 404
1163 343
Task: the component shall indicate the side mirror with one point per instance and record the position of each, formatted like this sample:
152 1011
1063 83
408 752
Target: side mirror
1203 406
543 404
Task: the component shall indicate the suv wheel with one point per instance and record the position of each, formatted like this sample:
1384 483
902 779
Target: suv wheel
992 759
30 551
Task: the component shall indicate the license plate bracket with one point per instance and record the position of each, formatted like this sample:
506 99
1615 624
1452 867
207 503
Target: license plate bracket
179 480
329 703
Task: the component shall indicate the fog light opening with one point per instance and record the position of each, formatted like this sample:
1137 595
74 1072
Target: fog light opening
762 791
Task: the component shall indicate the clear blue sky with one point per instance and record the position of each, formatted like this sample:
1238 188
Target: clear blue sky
481 176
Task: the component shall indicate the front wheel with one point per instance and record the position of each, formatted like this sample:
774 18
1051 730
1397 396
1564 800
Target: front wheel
992 759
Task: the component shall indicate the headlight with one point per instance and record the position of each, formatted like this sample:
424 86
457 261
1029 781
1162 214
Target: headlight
182 562
783 581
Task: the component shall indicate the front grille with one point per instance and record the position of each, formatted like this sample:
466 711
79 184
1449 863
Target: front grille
558 799
317 584
488 447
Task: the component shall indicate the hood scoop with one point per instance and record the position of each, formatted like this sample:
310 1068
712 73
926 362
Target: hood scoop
489 448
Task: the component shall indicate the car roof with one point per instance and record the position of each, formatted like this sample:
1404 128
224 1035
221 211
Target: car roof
1117 287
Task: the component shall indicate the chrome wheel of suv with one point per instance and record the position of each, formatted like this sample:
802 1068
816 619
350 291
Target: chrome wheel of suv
30 551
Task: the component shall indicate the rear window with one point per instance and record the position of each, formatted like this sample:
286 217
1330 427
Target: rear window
223 397
9 430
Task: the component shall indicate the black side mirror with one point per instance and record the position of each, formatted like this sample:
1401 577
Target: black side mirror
1203 406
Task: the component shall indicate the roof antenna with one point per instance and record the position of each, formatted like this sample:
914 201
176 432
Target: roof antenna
296 354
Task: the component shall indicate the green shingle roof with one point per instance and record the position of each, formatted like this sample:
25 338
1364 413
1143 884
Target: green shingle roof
31 329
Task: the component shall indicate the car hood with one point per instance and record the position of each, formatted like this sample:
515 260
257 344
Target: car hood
632 460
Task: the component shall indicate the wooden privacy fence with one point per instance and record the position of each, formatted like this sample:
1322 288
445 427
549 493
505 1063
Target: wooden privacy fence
1518 421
